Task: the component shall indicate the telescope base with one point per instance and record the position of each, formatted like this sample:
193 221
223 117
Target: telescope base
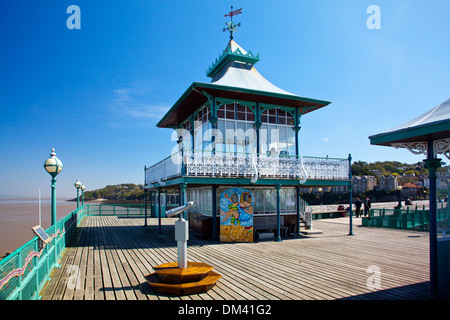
196 278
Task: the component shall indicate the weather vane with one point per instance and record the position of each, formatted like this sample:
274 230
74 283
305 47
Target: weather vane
231 26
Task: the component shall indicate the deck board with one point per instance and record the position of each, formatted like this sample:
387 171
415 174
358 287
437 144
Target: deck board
114 254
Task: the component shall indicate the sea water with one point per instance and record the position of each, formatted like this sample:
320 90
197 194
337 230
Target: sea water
19 214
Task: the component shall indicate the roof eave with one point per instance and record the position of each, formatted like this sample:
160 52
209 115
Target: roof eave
431 131
317 104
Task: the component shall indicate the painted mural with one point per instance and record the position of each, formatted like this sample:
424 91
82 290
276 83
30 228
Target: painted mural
236 215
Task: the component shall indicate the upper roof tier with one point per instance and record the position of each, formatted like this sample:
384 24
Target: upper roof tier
234 68
235 77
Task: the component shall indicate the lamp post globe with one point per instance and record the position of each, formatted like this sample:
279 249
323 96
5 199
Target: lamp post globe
77 185
82 194
53 166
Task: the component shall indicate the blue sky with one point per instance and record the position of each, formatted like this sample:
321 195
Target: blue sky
95 94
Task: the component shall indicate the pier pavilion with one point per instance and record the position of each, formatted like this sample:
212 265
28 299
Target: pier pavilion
237 154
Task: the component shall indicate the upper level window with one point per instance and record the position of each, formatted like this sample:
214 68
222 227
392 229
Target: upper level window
203 115
235 111
277 116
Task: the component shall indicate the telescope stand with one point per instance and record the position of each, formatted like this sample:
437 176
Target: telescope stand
182 277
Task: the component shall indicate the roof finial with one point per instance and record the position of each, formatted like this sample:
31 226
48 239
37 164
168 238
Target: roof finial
231 26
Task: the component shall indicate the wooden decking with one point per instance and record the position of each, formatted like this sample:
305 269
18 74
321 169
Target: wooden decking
113 255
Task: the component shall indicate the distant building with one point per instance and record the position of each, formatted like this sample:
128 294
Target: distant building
387 183
364 183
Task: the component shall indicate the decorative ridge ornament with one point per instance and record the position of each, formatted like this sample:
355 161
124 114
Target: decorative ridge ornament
231 26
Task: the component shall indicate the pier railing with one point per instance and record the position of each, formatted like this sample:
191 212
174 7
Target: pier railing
195 163
115 209
24 272
412 219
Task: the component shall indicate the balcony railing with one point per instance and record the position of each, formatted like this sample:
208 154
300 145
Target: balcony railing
247 165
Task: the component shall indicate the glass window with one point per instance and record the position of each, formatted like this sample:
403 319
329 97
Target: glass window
272 115
207 136
291 141
229 136
281 117
241 113
264 117
263 139
230 112
221 112
273 138
282 142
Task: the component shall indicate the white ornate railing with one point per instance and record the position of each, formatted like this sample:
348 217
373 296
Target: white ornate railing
247 165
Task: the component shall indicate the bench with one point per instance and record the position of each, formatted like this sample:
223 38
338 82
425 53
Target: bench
268 223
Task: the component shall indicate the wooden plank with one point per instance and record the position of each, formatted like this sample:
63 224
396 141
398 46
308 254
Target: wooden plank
98 278
89 277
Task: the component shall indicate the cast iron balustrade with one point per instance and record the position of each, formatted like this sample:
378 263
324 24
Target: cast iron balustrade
247 165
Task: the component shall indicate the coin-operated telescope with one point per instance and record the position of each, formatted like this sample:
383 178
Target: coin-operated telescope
181 232
186 277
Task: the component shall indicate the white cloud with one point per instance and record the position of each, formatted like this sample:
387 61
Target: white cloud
135 102
325 139
146 111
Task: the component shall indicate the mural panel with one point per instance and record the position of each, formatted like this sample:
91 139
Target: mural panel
236 215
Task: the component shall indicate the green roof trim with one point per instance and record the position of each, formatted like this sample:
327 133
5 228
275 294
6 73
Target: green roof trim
259 92
229 55
194 85
409 133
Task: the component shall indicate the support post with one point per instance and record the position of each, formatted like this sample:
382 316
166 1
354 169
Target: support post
214 208
297 221
145 204
278 238
183 196
152 213
53 189
432 164
297 129
350 189
257 129
159 209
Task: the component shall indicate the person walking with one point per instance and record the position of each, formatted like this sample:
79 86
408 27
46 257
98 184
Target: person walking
367 206
358 205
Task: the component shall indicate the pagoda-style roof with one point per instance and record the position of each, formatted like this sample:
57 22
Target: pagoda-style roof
235 77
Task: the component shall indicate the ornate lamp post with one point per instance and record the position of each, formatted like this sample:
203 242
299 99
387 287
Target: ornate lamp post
78 186
53 166
82 194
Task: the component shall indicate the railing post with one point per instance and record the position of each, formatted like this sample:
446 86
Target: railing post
278 238
159 210
297 200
